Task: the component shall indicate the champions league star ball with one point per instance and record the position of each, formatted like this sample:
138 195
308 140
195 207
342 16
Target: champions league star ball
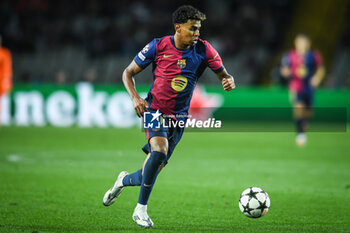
254 202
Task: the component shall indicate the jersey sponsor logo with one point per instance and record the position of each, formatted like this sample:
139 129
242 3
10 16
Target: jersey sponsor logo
179 83
145 49
166 56
301 72
181 63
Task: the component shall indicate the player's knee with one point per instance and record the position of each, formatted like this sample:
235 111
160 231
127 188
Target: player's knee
298 110
159 156
159 144
160 148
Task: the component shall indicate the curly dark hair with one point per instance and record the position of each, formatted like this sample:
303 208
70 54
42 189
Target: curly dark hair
186 12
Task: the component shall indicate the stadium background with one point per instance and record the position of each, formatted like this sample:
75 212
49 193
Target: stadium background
52 179
94 40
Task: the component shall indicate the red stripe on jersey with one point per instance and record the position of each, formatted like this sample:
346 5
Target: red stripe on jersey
296 82
147 134
163 95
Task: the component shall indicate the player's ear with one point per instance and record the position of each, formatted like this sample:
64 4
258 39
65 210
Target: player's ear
177 28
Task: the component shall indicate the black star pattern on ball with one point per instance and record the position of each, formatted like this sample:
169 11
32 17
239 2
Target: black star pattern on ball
262 206
252 194
246 209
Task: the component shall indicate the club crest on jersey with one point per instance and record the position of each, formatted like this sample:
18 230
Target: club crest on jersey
181 63
179 83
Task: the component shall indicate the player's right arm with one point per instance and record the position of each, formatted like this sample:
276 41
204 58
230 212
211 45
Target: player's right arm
140 105
145 57
285 67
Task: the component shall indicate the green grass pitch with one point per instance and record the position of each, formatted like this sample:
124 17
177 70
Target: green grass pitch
53 180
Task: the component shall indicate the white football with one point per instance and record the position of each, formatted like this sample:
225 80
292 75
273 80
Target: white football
254 202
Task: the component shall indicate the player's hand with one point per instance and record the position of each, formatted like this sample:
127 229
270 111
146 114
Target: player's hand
140 105
228 83
314 82
285 72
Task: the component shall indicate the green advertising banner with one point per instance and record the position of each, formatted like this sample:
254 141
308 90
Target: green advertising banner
87 105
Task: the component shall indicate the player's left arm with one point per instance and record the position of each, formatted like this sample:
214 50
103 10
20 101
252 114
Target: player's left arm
227 81
317 78
214 62
285 67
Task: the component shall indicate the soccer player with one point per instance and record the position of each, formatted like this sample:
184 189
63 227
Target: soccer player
178 61
303 67
5 75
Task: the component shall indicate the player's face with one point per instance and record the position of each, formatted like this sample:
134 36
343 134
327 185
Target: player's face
302 44
189 32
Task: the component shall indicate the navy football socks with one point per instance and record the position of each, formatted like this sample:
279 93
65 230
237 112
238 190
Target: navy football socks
149 175
133 179
300 125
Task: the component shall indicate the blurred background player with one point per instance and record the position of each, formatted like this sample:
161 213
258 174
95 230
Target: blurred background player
304 69
5 76
178 62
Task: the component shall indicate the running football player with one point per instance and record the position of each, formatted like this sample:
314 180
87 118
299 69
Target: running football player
303 67
178 61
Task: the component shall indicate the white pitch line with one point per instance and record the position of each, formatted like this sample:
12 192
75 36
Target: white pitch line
14 158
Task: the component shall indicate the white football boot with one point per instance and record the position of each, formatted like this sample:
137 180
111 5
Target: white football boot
300 140
141 217
113 193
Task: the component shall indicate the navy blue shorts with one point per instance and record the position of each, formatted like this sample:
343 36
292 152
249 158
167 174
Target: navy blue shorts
306 98
173 134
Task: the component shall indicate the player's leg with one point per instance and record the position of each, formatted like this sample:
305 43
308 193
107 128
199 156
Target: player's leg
299 113
174 136
124 179
114 192
144 164
135 179
308 110
159 149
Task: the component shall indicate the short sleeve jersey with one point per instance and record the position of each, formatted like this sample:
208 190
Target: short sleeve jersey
176 72
303 67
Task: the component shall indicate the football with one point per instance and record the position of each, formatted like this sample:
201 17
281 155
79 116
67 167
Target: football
254 202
